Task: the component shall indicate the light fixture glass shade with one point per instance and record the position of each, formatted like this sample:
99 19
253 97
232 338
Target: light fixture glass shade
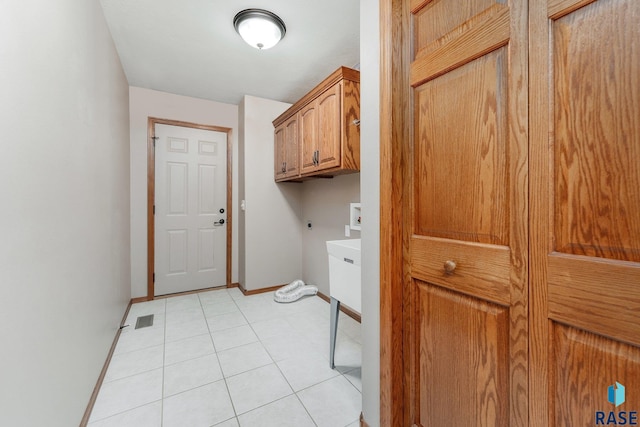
259 28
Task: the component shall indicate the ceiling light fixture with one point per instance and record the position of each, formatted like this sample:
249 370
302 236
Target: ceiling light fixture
259 28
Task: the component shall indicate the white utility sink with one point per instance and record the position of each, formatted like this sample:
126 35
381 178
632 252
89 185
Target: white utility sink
344 283
344 272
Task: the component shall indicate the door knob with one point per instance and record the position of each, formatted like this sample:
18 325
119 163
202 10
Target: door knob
219 223
449 266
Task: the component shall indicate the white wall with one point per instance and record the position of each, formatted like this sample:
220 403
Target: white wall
275 245
64 222
146 103
370 194
326 203
272 239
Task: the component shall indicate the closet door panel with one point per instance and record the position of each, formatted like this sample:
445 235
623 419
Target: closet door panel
585 200
596 108
583 365
466 295
454 350
461 177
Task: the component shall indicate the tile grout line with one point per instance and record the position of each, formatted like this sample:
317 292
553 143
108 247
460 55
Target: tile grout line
164 358
131 313
327 380
304 311
305 408
224 378
295 393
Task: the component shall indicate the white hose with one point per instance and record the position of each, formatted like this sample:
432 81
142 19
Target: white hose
294 291
290 287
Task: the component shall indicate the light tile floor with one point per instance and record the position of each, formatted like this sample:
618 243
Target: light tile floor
222 359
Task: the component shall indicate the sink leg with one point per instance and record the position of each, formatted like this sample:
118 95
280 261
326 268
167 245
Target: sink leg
335 309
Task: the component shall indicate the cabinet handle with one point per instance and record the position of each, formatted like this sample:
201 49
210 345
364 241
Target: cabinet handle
284 167
449 266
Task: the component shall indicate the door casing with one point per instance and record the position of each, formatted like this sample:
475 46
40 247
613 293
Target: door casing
395 57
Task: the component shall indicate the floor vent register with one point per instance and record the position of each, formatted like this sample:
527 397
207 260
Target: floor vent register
144 321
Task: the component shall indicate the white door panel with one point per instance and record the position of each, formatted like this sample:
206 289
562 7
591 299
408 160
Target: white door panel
190 192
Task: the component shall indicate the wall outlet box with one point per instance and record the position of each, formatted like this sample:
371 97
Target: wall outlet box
355 216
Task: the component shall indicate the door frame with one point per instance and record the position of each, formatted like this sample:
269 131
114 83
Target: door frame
151 188
395 108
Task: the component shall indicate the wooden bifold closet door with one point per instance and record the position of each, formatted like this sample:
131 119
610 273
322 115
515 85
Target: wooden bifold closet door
585 209
467 215
514 136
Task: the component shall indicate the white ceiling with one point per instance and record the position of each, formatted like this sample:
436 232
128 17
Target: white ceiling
189 47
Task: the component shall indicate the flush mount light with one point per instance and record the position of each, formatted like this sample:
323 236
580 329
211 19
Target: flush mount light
259 28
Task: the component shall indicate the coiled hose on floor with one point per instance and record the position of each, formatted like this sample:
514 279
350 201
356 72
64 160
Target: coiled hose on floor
294 291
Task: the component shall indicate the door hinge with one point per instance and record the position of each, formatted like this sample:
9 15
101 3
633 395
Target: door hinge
154 277
154 138
154 209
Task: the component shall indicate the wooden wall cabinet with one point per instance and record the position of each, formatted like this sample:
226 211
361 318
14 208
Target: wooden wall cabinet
286 149
322 129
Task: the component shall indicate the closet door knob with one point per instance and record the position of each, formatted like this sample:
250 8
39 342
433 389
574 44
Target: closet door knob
449 266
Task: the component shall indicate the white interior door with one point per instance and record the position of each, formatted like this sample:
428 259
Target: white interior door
190 209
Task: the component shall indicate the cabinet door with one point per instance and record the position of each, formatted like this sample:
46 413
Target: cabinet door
466 216
350 116
329 128
308 137
279 153
291 151
585 200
